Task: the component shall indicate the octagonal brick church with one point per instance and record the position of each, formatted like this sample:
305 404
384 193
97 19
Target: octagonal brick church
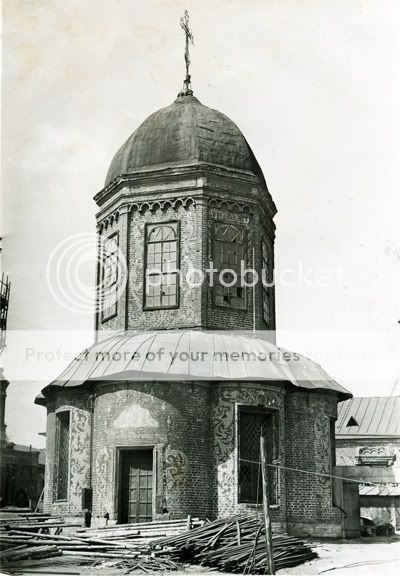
161 417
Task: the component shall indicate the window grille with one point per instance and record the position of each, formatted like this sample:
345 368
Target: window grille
63 426
229 252
162 275
251 421
267 301
109 277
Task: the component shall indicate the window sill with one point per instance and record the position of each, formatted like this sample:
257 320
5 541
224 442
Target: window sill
107 318
255 506
148 309
228 307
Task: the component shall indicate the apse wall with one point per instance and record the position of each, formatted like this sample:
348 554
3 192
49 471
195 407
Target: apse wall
170 418
310 455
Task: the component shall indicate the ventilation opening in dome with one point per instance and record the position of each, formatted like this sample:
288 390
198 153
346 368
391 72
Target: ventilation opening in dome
352 422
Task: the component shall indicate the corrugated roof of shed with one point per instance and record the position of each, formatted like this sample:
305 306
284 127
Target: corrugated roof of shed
374 416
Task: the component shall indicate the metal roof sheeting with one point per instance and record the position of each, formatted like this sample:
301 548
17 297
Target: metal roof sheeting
184 133
193 355
375 416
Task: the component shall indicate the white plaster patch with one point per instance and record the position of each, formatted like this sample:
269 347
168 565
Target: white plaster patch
134 416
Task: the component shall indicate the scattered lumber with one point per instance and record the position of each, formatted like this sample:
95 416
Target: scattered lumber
157 527
236 544
27 552
125 545
31 521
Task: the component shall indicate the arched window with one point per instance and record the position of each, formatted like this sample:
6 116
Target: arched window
229 252
162 274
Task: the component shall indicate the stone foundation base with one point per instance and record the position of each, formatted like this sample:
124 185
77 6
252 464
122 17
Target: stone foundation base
315 529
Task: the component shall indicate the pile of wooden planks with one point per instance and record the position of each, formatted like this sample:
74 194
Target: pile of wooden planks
31 521
236 544
126 546
144 531
25 552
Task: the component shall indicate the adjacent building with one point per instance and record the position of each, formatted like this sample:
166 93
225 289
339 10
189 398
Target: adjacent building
368 450
21 466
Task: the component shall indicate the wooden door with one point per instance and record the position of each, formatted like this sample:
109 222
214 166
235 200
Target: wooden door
351 505
136 486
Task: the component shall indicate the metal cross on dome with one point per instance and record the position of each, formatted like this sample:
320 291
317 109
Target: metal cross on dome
188 39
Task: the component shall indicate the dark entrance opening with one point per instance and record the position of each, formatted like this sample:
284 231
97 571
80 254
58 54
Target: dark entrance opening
136 503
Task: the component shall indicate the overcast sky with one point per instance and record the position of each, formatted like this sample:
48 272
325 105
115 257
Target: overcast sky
315 88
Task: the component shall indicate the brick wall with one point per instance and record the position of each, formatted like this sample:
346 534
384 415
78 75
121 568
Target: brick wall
226 399
171 418
309 496
189 312
192 430
197 204
77 403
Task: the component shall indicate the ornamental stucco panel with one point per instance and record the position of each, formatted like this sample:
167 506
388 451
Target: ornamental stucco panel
177 476
135 416
80 456
102 481
224 425
322 451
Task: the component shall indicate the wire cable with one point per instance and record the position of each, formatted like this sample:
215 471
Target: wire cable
314 473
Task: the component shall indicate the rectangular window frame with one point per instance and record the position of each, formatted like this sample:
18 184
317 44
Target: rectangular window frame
267 295
58 415
146 307
243 306
275 414
106 317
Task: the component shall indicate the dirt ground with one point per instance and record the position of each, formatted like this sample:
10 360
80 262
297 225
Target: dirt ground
365 556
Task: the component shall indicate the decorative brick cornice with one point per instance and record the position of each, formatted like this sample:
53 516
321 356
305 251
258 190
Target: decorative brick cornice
222 202
231 205
169 178
152 206
109 221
